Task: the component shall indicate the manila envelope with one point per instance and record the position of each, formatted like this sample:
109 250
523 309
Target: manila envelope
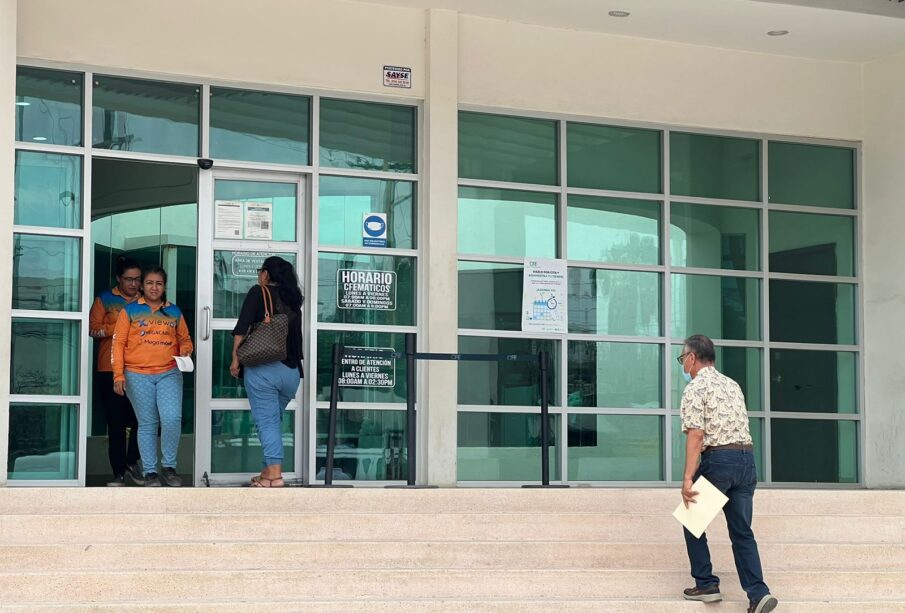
709 502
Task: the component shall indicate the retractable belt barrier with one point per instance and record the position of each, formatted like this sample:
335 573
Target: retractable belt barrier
411 356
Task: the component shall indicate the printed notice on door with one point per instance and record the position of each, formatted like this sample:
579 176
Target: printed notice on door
544 297
367 372
367 290
259 220
228 219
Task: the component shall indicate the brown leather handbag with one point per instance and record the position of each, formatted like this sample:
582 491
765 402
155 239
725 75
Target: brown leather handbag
265 341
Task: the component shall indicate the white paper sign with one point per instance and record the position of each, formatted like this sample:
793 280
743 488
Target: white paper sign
545 296
259 220
228 219
397 76
184 363
708 503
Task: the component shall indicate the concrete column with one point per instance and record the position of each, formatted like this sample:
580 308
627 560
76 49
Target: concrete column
439 238
884 281
7 161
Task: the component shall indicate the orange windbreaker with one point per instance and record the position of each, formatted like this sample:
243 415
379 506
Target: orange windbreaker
103 315
145 340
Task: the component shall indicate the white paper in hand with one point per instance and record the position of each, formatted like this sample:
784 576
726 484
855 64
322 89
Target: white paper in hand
709 502
184 363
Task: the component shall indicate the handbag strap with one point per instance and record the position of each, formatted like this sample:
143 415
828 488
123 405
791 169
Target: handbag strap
268 303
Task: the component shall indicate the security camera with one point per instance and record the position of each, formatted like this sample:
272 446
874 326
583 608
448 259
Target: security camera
205 163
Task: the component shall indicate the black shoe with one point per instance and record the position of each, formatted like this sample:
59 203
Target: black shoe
118 481
710 593
170 477
135 474
764 605
151 480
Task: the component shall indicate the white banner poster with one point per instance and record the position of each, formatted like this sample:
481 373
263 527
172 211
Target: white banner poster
545 296
229 219
259 220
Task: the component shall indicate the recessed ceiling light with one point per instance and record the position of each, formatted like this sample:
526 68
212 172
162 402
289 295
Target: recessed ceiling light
23 103
618 13
39 138
777 32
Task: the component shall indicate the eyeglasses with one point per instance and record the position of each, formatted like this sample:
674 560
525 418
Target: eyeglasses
681 358
131 279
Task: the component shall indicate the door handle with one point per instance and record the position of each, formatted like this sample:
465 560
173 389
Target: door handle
207 323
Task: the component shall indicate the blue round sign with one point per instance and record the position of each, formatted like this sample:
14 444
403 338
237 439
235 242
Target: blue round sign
374 226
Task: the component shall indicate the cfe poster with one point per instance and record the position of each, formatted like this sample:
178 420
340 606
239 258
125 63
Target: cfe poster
243 220
544 296
369 290
368 372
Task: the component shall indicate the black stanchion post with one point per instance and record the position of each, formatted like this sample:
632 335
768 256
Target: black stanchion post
338 351
544 424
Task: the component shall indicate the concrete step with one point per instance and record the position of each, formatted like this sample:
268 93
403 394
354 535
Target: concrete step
316 555
399 527
542 584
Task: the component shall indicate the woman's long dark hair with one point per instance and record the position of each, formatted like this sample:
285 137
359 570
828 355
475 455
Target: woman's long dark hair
282 274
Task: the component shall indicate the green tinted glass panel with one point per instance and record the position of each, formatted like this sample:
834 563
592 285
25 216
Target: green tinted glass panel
48 190
805 312
615 448
813 381
702 236
741 364
614 158
718 307
45 357
613 230
814 451
367 136
812 175
394 373
223 384
504 447
343 203
43 441
46 272
236 272
513 149
507 223
507 383
615 375
707 166
366 289
259 126
614 302
236 448
370 445
281 198
490 296
812 244
48 106
755 426
146 116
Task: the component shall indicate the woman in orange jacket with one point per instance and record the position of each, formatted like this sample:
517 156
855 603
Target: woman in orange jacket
149 333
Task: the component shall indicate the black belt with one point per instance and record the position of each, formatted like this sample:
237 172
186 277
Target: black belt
730 447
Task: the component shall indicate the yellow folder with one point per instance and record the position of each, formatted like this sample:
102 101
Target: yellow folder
708 503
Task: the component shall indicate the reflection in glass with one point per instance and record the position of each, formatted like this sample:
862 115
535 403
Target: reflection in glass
369 340
236 448
813 381
223 384
614 302
814 451
347 301
236 272
370 445
343 201
48 190
718 307
280 196
367 136
504 447
490 296
45 357
615 447
812 244
614 230
614 158
48 106
146 116
755 427
507 383
812 175
46 272
806 312
43 441
704 236
259 126
615 375
507 223
708 166
501 148
741 364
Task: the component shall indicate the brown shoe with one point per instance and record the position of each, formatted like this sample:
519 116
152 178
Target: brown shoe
711 593
764 605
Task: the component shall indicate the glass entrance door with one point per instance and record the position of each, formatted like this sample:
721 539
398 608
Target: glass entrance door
245 217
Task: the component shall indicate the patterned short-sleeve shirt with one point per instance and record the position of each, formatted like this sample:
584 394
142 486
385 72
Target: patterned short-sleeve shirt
714 403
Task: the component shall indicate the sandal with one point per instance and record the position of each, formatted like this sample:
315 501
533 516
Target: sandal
259 481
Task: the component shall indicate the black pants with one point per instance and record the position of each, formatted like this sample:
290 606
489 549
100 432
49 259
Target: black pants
120 415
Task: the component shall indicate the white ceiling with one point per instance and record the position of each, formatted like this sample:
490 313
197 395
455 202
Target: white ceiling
820 33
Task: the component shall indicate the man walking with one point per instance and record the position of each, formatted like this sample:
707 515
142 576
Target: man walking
715 421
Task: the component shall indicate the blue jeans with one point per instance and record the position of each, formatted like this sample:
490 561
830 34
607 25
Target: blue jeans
270 387
733 473
157 400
